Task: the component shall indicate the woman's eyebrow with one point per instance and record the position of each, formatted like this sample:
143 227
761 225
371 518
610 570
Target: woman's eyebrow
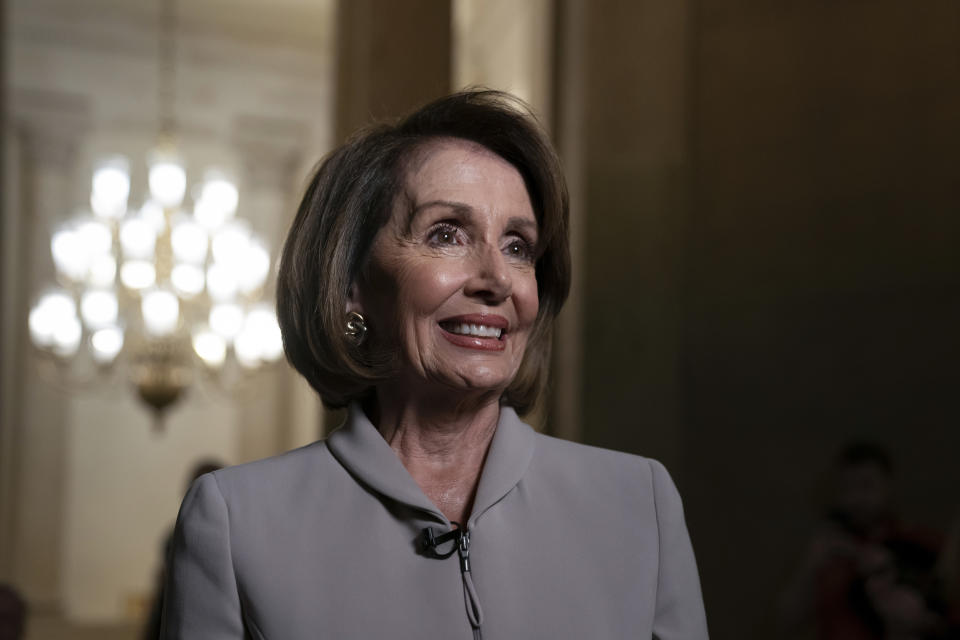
526 224
462 208
458 207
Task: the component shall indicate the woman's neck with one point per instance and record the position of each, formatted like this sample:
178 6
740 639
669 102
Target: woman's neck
442 443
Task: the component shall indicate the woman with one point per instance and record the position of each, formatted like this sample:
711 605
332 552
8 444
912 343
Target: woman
418 286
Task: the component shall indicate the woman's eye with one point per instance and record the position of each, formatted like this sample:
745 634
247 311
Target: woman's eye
520 248
445 234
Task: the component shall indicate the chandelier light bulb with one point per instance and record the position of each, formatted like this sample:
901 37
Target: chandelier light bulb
226 320
45 315
230 244
255 268
41 326
222 282
102 208
66 335
161 312
70 256
110 187
273 347
187 280
189 242
220 191
261 324
273 343
217 202
76 246
102 272
206 213
95 236
152 213
138 274
99 308
246 348
167 180
59 303
106 343
211 347
137 238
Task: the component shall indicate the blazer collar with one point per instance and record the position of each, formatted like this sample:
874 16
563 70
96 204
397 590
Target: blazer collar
360 448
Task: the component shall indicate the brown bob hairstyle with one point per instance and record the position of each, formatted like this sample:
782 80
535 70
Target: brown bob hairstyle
351 196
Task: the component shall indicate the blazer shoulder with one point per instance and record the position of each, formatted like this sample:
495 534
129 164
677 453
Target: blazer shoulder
565 451
575 460
288 471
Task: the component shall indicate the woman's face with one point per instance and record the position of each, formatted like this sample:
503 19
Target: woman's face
451 278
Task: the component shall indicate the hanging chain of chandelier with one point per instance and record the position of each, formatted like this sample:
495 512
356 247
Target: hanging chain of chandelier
162 288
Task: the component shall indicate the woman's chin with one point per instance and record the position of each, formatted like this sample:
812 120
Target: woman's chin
476 382
445 376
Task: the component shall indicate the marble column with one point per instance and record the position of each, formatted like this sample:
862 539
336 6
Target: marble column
8 333
41 153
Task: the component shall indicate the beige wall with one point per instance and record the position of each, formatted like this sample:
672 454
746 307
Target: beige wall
505 45
38 410
95 487
123 485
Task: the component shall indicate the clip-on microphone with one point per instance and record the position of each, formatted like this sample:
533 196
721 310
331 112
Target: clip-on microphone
432 542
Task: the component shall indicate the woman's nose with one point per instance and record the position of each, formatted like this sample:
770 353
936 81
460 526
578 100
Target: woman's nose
490 278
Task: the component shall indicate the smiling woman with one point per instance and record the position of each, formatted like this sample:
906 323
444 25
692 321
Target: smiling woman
454 285
378 184
418 285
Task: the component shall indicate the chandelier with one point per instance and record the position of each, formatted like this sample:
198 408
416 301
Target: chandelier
163 290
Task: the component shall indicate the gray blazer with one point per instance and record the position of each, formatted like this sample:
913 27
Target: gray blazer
327 541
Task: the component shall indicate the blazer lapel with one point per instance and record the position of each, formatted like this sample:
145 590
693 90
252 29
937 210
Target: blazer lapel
360 448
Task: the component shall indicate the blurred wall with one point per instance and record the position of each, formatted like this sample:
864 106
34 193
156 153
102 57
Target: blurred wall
7 320
391 58
95 486
764 213
821 273
622 105
507 45
768 202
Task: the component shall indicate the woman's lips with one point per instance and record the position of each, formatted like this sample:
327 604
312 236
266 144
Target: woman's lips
484 332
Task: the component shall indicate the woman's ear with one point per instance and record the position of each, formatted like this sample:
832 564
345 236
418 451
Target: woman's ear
353 300
356 327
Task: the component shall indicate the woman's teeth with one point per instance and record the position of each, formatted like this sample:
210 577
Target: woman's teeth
478 330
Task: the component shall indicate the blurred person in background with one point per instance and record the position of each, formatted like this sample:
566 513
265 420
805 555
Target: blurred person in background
151 630
949 570
418 287
13 614
866 575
